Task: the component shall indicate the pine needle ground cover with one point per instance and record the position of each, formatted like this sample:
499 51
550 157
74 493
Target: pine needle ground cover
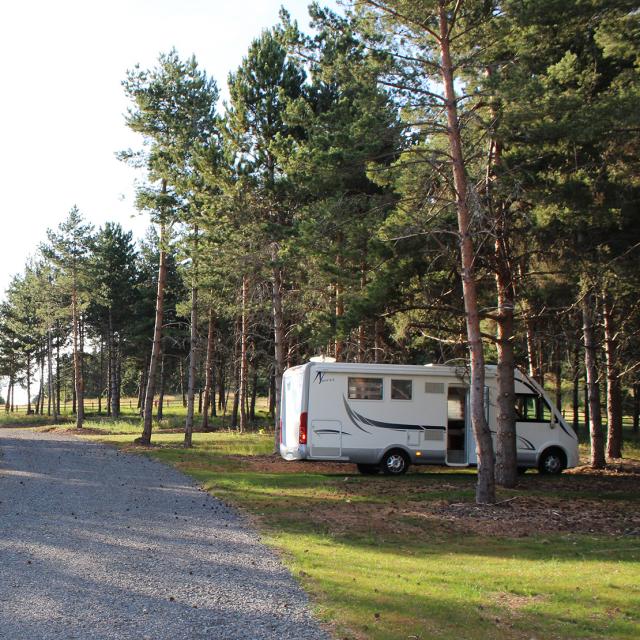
415 558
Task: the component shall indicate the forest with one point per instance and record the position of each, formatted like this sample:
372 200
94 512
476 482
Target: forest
409 182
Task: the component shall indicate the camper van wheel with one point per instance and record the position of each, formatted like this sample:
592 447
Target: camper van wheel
368 469
552 462
395 463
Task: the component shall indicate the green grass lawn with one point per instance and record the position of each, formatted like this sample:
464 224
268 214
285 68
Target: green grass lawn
388 558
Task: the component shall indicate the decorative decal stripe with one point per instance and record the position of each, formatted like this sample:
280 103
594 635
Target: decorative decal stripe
394 425
527 445
331 431
357 417
352 417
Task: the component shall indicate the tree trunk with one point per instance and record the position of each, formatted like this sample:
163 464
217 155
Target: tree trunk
118 381
587 417
614 388
143 385
236 376
254 395
161 385
77 360
50 372
193 367
183 393
593 395
208 373
58 385
109 374
576 387
485 490
221 382
101 376
278 335
506 471
636 408
242 386
557 369
41 394
145 438
28 384
272 396
339 300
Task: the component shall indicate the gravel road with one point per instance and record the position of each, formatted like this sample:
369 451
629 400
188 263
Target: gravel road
98 544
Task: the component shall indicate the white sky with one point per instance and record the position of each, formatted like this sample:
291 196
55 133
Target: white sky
62 104
61 101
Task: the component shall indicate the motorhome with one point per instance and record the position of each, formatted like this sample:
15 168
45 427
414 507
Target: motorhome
387 417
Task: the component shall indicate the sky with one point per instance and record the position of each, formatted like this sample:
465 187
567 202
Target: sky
62 105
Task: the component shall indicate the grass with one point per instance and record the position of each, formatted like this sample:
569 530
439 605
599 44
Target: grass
380 566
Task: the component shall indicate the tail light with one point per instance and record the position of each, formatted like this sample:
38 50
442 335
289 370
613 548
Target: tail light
303 428
281 434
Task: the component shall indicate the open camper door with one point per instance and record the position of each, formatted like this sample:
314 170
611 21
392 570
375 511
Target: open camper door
292 413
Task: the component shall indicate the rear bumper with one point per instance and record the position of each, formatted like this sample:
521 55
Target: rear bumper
293 453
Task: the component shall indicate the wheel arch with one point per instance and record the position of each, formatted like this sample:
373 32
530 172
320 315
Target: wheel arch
395 447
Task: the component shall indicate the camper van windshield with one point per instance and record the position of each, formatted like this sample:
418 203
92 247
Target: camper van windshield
532 408
365 388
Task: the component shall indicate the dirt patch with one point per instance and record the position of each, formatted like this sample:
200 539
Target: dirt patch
527 515
515 603
516 519
275 464
85 431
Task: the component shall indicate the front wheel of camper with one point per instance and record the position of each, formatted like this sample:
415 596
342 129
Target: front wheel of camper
395 463
552 462
368 469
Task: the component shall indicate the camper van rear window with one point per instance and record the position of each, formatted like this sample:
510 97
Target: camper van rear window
401 389
365 388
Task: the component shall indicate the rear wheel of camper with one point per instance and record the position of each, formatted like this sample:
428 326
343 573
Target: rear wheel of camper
552 462
368 469
395 463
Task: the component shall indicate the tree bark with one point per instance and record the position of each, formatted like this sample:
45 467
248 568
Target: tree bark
41 394
183 393
272 395
145 438
506 472
77 358
254 396
278 335
208 373
557 366
50 375
576 387
595 422
242 387
339 301
636 408
236 377
485 489
161 385
101 375
193 368
614 388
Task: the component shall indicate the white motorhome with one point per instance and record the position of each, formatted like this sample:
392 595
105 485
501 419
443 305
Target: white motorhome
386 417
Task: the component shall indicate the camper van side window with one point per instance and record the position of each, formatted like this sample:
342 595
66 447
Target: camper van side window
401 389
365 388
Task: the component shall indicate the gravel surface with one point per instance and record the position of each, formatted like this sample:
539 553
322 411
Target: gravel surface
99 544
